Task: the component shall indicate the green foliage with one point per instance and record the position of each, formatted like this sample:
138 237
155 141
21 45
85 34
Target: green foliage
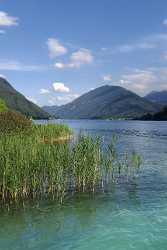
87 162
13 122
3 106
31 169
50 133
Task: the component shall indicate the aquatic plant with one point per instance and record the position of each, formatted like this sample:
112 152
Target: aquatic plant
30 168
51 133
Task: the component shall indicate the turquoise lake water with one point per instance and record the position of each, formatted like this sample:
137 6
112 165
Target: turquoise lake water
126 216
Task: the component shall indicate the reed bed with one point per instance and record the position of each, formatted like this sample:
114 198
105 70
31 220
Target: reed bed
30 168
51 133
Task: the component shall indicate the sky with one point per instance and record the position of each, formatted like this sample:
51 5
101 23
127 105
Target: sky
53 51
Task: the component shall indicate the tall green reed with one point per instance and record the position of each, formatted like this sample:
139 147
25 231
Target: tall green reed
31 168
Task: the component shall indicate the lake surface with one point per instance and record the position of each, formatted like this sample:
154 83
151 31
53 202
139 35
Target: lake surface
125 217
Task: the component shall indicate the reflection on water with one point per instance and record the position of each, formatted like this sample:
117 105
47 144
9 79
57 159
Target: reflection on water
126 216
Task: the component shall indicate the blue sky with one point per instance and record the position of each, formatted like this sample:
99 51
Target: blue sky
53 51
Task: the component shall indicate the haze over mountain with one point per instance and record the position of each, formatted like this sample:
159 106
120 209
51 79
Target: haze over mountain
104 102
158 97
16 101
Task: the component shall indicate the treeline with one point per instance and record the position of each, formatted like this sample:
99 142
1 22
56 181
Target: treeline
159 116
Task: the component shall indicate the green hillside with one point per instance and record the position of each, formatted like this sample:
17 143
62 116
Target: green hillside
16 101
3 106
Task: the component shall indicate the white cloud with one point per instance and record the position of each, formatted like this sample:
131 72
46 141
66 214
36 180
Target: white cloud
143 76
60 94
18 66
6 20
125 48
139 81
107 78
67 98
77 59
55 48
44 91
122 81
31 99
148 42
59 65
164 22
82 56
145 80
60 87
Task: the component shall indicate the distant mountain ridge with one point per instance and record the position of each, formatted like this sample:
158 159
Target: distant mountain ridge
158 97
16 101
104 102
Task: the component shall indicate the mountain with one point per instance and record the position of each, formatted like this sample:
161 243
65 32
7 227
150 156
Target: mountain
52 110
158 97
104 102
16 101
159 116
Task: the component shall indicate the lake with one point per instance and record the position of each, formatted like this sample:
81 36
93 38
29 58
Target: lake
126 216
